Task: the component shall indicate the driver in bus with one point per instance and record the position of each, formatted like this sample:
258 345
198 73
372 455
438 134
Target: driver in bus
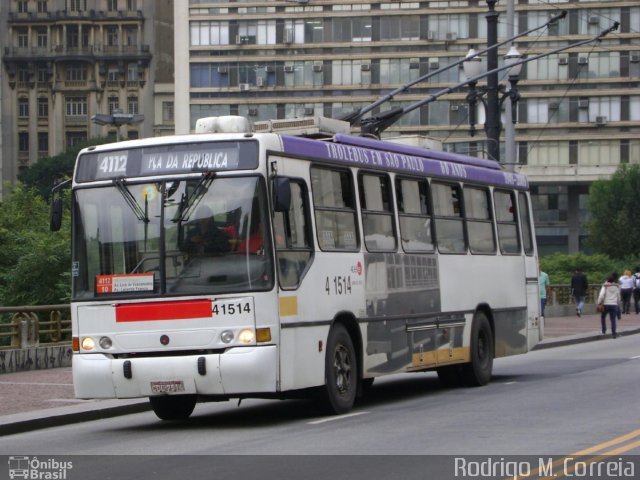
205 238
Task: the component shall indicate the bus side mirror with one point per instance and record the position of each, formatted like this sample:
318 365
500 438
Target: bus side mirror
55 214
282 194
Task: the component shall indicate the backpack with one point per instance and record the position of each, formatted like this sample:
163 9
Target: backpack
636 281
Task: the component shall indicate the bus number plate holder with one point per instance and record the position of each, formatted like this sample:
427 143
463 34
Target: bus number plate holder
169 386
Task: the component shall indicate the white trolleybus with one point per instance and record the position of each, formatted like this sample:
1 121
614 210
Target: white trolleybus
260 263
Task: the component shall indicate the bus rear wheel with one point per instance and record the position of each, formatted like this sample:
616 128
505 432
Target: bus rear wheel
478 371
341 372
173 407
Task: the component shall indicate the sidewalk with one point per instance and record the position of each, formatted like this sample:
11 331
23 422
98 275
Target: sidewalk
44 398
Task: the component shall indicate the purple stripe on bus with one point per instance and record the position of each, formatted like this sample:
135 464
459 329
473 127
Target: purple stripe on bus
400 162
419 152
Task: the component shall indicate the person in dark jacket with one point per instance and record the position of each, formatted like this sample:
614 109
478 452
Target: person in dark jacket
579 287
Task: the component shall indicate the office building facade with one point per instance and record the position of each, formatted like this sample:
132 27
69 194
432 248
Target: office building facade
578 116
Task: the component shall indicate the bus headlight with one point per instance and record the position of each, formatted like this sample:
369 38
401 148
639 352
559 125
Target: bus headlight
247 336
105 343
88 343
226 336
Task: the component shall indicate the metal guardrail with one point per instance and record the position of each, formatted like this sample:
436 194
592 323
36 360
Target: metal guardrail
32 326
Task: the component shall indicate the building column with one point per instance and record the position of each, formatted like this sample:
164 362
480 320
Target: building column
573 218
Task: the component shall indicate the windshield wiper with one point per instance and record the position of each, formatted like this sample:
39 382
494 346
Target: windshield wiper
189 202
131 201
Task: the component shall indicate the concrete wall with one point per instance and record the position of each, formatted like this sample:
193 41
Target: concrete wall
35 358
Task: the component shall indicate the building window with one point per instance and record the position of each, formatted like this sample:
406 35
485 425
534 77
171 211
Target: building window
132 105
23 6
112 5
132 5
76 106
43 38
77 5
112 37
23 107
76 138
114 104
76 73
23 142
23 38
167 112
43 142
209 33
43 107
42 6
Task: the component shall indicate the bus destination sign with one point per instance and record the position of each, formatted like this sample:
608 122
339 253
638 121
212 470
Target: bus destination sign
167 160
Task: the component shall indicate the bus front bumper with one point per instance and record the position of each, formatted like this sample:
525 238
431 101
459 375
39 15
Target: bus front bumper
237 371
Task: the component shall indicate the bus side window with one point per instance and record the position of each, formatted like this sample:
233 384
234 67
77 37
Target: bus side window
447 210
415 216
292 237
477 209
506 218
525 225
377 213
334 204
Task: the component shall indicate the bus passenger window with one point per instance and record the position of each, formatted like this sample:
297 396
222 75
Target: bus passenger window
377 213
415 218
507 221
448 218
525 225
292 238
334 206
477 209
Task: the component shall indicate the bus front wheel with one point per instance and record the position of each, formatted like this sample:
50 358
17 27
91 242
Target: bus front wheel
173 407
341 372
478 371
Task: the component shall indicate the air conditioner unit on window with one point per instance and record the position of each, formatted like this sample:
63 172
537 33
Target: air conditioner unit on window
308 111
365 67
554 105
583 103
600 120
451 36
222 69
563 61
244 87
253 112
583 60
455 108
259 82
434 65
594 20
414 63
269 69
288 69
317 67
634 58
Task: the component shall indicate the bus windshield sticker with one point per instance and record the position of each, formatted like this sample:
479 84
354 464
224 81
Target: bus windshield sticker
137 282
167 160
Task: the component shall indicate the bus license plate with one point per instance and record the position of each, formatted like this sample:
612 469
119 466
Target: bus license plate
171 386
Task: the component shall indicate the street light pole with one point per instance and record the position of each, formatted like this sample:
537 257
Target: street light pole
493 106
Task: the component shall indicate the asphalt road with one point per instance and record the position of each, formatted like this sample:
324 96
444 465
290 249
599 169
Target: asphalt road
548 403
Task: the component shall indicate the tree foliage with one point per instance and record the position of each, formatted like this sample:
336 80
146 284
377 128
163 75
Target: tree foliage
34 262
560 267
614 204
46 172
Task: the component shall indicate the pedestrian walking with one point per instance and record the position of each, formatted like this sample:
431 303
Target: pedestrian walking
626 290
579 287
636 290
609 297
545 289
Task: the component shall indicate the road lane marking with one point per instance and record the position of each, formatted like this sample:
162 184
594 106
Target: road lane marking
339 417
38 383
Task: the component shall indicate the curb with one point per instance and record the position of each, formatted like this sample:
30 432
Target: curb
581 338
29 421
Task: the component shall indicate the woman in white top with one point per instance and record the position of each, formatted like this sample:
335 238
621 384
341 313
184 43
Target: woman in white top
626 290
610 297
